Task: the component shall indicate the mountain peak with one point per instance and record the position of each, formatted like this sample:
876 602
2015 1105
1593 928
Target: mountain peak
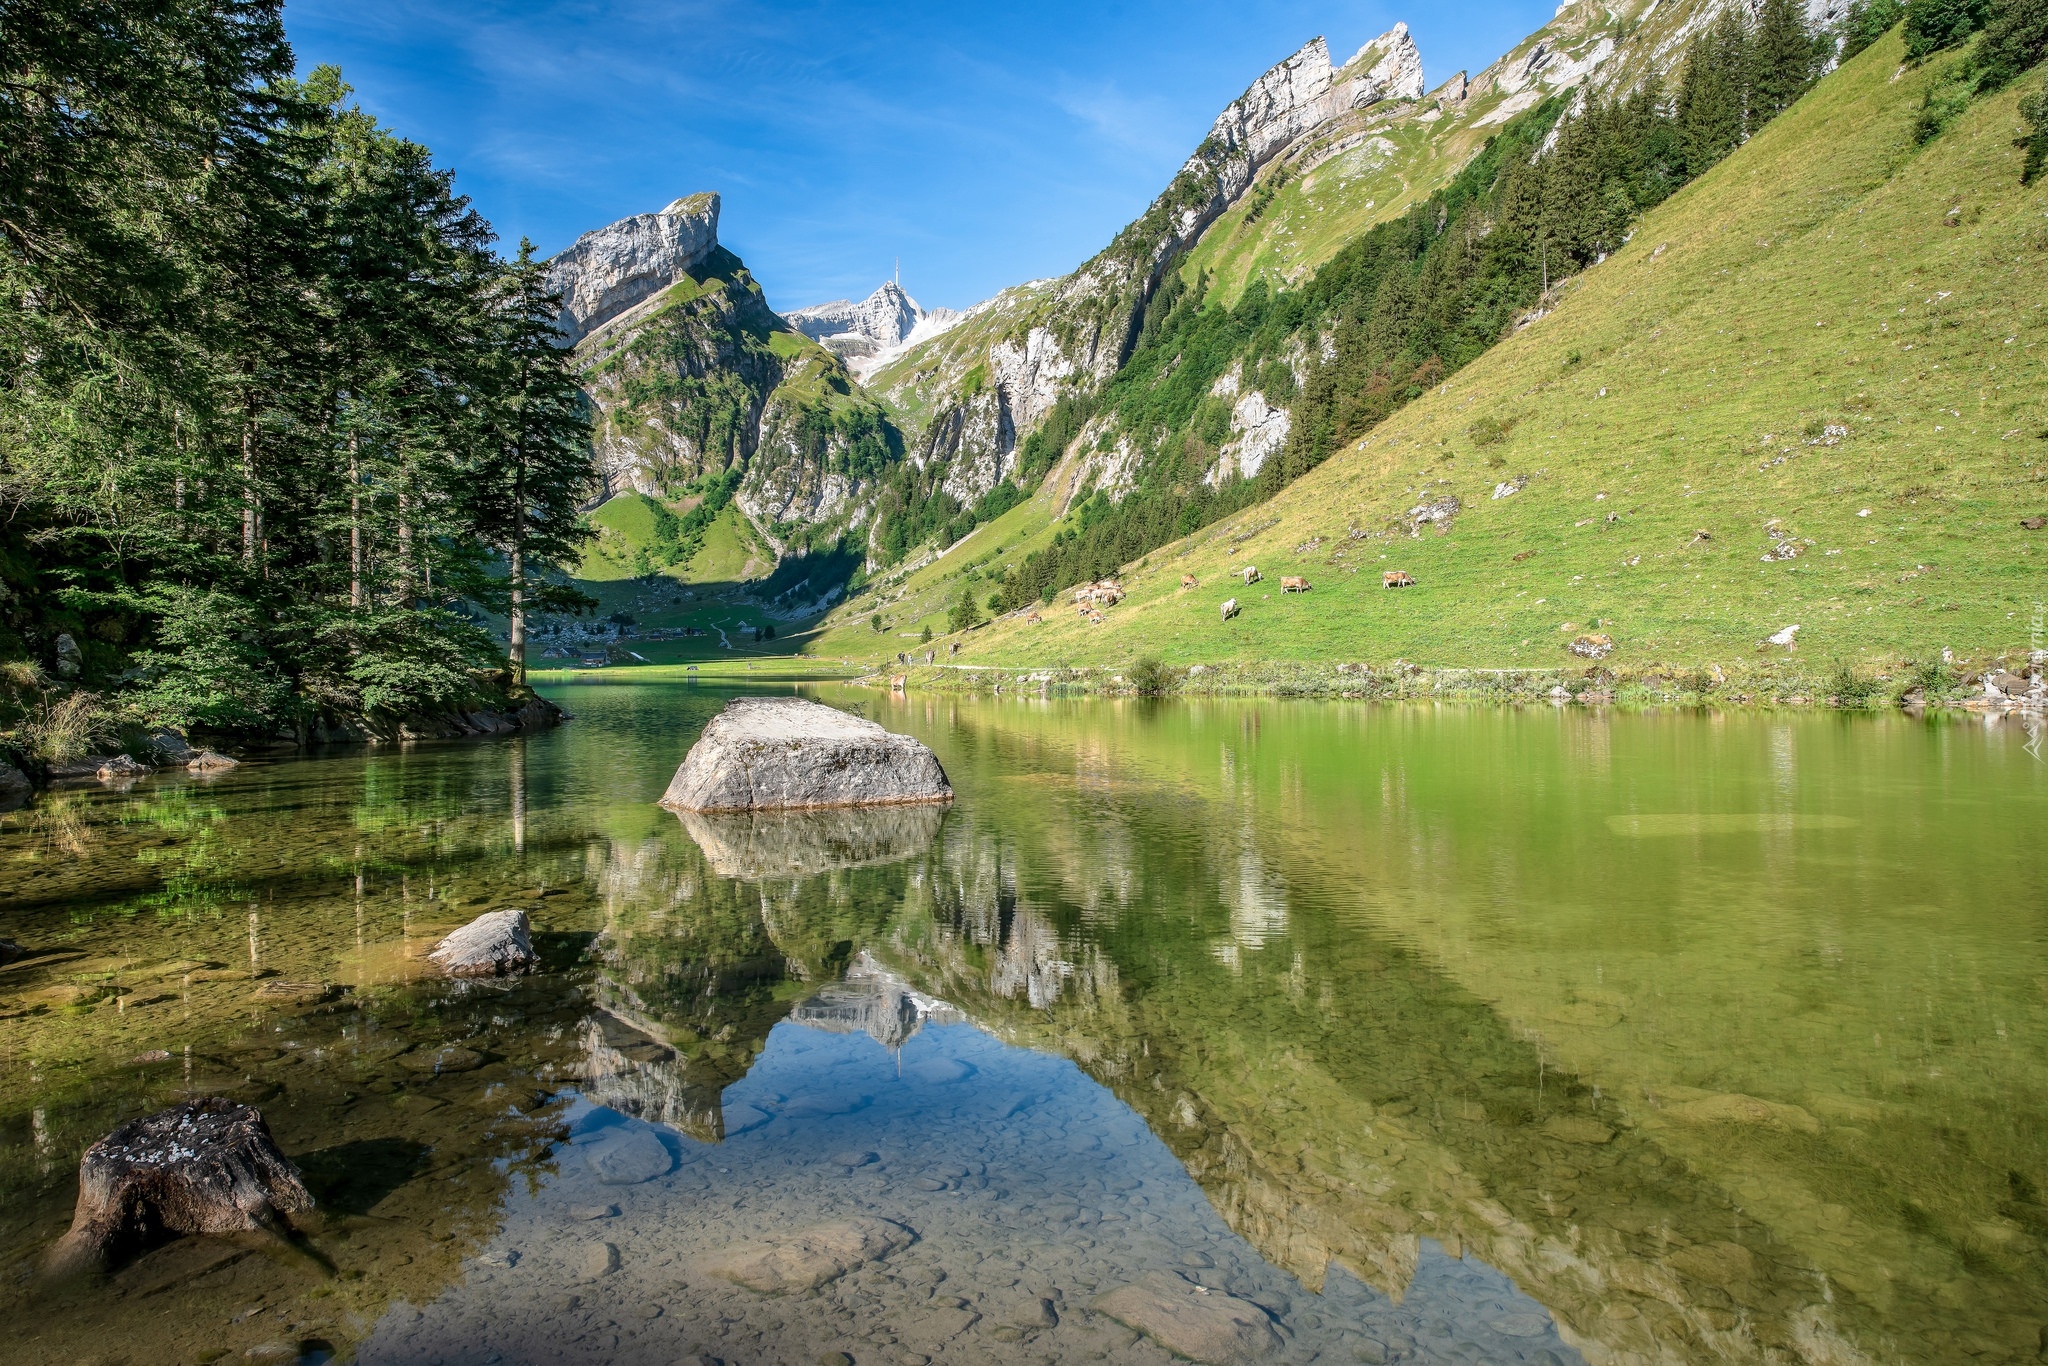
609 269
862 331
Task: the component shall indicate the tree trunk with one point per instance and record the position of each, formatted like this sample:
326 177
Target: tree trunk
517 650
405 566
355 525
248 493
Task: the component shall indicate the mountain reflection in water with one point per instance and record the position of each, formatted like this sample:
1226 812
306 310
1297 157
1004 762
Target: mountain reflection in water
1458 1035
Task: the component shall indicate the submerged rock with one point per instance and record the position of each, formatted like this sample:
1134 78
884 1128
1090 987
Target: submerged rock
806 1259
107 767
206 1166
764 753
1192 1320
627 1157
499 944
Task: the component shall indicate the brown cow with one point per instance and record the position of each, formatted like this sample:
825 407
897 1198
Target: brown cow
1293 583
1187 581
1397 578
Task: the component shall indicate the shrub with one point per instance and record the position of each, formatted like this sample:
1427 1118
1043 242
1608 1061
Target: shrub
1868 21
1489 431
1150 678
1849 688
2034 109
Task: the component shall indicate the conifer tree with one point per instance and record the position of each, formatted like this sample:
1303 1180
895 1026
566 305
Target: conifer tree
537 469
1712 97
1783 59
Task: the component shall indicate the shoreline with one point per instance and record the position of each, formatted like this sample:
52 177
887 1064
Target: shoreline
1961 685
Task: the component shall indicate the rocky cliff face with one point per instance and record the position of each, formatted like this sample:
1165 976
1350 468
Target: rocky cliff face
609 270
692 374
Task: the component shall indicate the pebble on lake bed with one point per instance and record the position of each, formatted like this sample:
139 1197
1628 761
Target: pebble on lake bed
807 1259
1192 1320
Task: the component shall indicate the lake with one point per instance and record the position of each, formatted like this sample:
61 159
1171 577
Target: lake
1290 1030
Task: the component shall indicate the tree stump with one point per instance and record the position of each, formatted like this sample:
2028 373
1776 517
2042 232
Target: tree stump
206 1166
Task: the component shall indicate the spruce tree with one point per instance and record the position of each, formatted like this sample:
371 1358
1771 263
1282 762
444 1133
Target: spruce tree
1712 97
1782 60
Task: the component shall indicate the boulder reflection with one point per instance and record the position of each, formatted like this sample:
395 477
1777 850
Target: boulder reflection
772 844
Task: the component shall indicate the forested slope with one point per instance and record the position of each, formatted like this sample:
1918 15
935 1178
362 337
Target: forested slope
1807 391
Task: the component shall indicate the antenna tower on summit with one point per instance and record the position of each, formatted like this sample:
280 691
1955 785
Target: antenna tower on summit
899 272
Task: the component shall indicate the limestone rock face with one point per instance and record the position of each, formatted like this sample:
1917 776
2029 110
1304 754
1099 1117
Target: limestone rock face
1191 1320
764 753
499 944
608 270
206 1166
977 441
1394 71
804 1260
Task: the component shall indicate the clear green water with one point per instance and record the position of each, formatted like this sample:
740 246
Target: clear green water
1441 1034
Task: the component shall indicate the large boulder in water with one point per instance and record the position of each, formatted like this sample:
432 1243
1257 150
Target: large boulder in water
206 1166
499 944
767 753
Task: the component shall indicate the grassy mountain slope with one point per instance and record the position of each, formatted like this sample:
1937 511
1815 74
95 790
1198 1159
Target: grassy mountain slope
1827 275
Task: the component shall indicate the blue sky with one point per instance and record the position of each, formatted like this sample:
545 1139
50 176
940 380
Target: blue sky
983 144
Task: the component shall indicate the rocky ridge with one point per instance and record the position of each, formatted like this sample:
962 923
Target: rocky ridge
1321 151
610 269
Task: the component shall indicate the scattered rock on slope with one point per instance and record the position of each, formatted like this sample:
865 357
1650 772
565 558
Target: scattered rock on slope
764 753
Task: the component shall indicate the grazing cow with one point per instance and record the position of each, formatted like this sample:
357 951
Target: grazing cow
1397 578
1033 619
896 683
1293 583
1095 618
1229 609
1187 581
1250 574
